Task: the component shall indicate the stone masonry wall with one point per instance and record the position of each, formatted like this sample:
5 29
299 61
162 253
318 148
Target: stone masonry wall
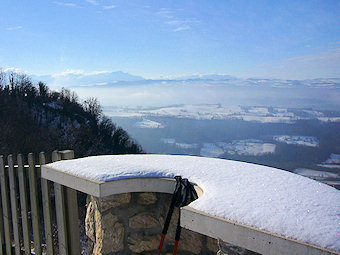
131 223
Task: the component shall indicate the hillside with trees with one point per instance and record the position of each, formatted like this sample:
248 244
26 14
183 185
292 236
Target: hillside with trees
33 118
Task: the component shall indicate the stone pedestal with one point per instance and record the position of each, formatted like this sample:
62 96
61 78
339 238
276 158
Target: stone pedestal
131 223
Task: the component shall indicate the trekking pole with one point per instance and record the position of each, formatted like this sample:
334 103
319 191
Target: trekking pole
183 195
178 232
175 200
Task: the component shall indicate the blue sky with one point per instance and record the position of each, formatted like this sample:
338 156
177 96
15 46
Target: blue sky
273 39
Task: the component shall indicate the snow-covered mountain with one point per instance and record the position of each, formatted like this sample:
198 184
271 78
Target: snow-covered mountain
126 89
81 79
207 77
76 78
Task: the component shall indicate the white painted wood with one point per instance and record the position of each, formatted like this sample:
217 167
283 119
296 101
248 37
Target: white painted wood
14 204
84 185
66 154
46 202
72 216
162 185
61 218
26 232
5 206
245 236
32 178
2 235
60 212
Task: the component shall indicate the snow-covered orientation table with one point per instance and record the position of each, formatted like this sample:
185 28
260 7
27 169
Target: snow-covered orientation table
264 209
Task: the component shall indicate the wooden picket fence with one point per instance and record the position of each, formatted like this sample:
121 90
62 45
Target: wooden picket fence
24 227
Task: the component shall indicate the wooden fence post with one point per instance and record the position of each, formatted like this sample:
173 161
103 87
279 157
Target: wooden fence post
14 204
60 212
32 177
24 205
6 207
72 218
2 219
66 208
2 236
46 203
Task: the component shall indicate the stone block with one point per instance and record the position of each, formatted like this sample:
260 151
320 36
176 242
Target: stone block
113 234
190 241
212 244
109 232
89 221
143 220
146 198
114 201
140 243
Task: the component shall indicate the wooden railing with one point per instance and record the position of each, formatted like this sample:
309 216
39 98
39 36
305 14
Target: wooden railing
26 216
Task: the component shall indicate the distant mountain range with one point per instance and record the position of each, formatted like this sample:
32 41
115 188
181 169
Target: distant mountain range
109 79
81 79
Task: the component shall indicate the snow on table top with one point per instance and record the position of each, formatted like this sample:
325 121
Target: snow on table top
263 197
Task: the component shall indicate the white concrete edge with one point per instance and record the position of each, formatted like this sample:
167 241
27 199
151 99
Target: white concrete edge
251 238
254 239
91 187
103 189
163 185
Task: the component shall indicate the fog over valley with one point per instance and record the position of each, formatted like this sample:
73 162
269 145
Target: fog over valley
316 93
289 124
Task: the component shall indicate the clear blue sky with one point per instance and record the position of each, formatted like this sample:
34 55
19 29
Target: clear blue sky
283 39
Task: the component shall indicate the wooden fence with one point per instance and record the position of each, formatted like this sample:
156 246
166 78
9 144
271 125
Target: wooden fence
27 221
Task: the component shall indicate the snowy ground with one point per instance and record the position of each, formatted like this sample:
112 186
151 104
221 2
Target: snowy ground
184 146
251 147
221 112
211 150
148 124
332 162
297 140
314 174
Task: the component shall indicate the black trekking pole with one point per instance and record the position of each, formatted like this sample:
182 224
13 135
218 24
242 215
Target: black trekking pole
183 195
176 197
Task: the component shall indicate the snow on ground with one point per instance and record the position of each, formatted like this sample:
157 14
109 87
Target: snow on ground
168 140
251 147
148 124
185 146
315 174
263 197
211 150
122 112
54 105
333 159
329 119
200 112
208 112
313 113
259 110
268 119
329 165
297 140
222 112
332 162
